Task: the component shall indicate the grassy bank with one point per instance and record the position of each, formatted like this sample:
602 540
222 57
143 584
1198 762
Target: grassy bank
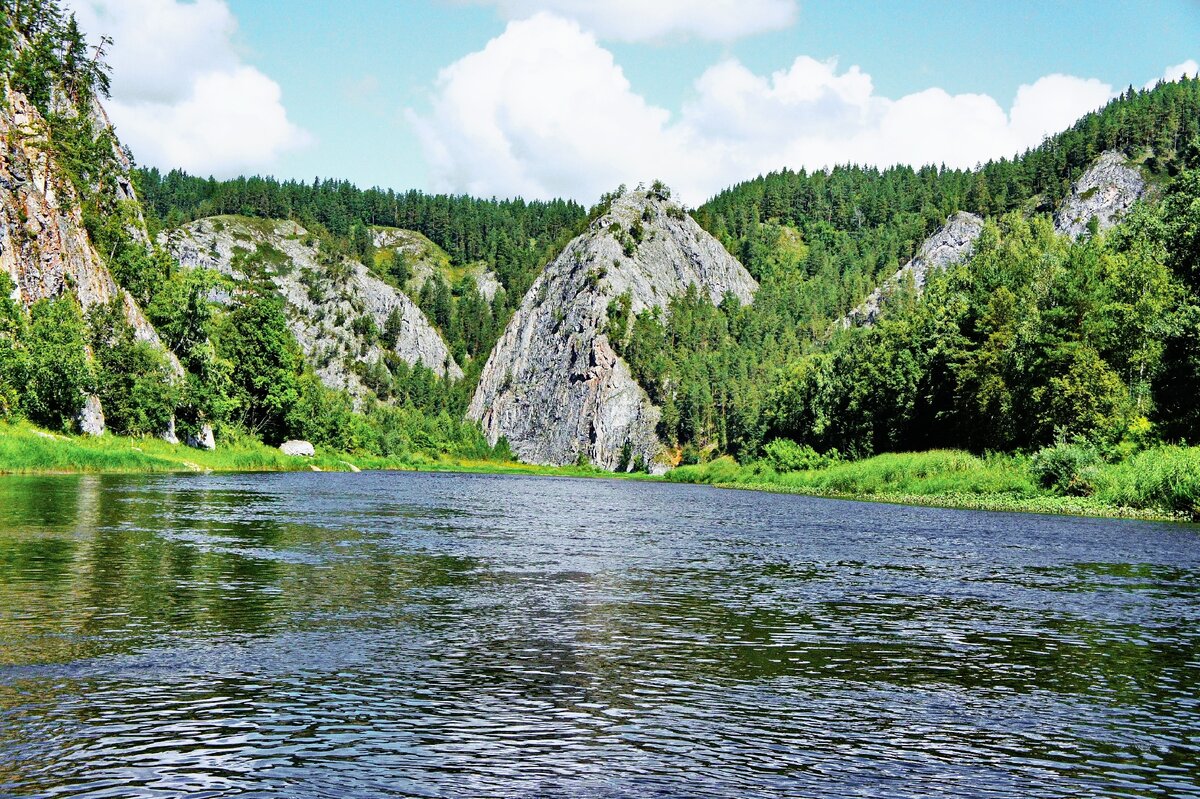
1160 483
25 449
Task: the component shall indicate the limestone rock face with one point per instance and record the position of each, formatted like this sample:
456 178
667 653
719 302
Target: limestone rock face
951 244
323 302
1105 192
44 246
297 449
91 417
203 439
553 385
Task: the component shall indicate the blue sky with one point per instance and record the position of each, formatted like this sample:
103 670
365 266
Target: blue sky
549 97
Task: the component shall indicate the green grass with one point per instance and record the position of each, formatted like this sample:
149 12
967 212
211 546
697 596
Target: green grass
1162 483
1159 483
25 449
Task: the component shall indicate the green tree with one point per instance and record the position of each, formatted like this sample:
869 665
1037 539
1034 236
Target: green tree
58 372
267 365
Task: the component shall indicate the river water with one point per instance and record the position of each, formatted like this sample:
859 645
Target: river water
372 635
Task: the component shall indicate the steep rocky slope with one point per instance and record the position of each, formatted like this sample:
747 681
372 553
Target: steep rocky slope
951 244
338 311
554 386
1105 192
44 246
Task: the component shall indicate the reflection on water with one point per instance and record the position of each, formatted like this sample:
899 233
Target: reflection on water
439 635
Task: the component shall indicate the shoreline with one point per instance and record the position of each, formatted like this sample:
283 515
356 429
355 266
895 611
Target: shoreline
26 451
1049 505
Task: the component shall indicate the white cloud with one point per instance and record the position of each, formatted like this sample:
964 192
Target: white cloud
640 20
181 94
1188 69
543 110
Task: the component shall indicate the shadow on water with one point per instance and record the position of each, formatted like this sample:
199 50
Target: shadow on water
454 635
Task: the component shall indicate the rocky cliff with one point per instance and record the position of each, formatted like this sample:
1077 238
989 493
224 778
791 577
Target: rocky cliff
1105 192
951 244
44 246
554 386
338 311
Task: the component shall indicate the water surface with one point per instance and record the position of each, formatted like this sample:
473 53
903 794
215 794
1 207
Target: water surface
372 635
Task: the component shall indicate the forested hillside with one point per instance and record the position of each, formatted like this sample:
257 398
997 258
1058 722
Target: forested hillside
516 238
1034 339
179 302
100 328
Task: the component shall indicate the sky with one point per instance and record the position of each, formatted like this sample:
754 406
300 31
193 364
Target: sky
569 98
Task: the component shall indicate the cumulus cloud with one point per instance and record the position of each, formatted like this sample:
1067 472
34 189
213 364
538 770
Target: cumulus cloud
638 20
181 94
544 110
1188 69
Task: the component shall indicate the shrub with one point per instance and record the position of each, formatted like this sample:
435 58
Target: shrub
785 455
1067 468
133 378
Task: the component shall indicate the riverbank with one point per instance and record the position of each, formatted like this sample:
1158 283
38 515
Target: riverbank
1161 484
28 450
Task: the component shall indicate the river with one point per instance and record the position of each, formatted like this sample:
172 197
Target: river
375 634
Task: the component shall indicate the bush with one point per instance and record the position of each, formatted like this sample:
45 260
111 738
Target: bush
1067 468
785 455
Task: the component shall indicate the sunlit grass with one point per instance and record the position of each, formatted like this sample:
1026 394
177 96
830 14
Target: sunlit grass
1158 483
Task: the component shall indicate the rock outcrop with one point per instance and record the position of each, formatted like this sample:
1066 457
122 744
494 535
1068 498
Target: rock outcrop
1105 192
203 438
338 312
91 417
554 387
951 244
44 246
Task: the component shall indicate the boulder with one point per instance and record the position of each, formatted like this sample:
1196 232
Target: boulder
169 435
203 439
297 449
91 417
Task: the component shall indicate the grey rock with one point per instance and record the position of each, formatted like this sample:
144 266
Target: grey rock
169 435
203 439
91 417
951 244
553 385
1105 192
297 449
321 310
44 246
